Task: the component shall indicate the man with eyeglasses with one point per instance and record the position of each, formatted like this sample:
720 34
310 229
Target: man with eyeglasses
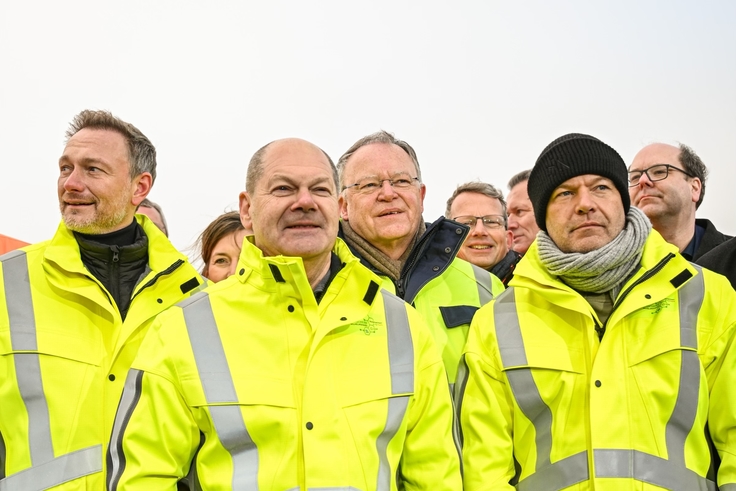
668 184
381 207
481 207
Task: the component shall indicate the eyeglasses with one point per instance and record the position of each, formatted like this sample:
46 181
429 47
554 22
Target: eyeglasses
370 185
655 173
489 221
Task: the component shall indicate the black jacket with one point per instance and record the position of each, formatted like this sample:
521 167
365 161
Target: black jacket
722 259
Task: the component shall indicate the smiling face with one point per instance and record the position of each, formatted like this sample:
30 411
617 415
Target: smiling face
224 258
96 193
666 200
584 214
293 208
389 217
484 247
522 224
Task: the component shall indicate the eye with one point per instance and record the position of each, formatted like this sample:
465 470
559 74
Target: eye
658 172
367 185
282 190
221 261
322 191
402 182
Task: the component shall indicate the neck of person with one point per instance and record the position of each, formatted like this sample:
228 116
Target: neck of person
317 267
677 230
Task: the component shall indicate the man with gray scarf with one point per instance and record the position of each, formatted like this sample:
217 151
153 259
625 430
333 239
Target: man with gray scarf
607 363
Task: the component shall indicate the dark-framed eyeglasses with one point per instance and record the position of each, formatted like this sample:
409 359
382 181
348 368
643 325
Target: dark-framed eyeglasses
489 221
370 185
655 173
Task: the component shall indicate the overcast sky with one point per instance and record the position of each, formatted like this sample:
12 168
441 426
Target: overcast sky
479 88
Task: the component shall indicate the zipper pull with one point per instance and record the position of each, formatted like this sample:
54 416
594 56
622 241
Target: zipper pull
600 330
115 254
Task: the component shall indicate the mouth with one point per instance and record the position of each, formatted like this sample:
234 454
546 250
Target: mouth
480 247
389 213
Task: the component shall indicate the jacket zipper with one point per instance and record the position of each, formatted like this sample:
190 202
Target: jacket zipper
602 330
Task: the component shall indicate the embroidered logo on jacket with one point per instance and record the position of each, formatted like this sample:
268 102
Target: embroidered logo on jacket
658 307
368 325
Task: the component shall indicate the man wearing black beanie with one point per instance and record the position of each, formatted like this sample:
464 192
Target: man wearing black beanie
608 360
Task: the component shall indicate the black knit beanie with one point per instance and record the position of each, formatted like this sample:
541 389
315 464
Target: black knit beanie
569 156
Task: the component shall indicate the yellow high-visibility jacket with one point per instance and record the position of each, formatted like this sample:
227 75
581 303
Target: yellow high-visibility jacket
544 402
445 289
287 393
64 356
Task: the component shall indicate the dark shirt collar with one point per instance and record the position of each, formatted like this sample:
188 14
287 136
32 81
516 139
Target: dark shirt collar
689 252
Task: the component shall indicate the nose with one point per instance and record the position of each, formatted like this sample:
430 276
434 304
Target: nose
386 192
478 228
512 223
585 203
304 200
644 180
72 182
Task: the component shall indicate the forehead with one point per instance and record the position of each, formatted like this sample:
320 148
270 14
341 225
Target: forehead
476 204
97 143
658 153
378 159
287 157
518 194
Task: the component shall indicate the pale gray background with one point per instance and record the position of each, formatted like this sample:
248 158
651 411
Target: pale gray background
477 87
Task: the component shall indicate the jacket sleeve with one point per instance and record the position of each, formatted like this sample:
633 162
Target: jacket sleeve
430 457
485 412
719 357
154 435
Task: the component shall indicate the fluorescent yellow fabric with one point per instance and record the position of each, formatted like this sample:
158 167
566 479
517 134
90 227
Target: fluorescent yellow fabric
456 286
84 349
313 389
608 399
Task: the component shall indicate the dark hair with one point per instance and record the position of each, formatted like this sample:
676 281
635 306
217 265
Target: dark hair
222 226
141 152
694 166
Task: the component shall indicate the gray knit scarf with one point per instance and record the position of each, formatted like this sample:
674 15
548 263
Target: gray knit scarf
601 270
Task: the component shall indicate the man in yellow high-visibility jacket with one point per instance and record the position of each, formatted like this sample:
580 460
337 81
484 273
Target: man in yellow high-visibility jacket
608 363
297 372
73 310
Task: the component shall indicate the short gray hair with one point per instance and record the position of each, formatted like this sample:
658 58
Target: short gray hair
255 168
378 137
477 187
141 152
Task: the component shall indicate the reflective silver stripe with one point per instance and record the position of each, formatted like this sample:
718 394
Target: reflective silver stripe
400 344
128 402
525 390
633 464
690 299
349 488
485 287
401 363
58 471
27 365
560 475
218 387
